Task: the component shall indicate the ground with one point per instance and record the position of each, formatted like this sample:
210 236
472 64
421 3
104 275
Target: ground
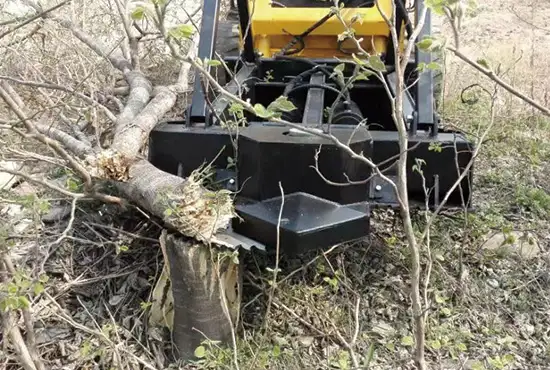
489 303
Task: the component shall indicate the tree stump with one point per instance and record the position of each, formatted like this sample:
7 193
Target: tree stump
205 289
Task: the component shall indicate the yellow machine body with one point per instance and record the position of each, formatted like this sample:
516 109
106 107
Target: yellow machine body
274 27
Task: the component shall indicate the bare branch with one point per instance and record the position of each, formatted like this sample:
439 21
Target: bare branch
130 139
119 63
28 321
16 98
30 34
52 86
10 326
54 144
140 94
34 17
45 184
75 146
516 13
493 76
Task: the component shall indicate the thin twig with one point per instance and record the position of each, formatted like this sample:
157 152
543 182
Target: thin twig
52 86
494 77
34 17
277 251
23 349
54 144
43 183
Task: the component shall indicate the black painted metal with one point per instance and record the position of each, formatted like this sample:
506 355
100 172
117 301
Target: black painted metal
408 102
318 213
425 103
448 163
207 42
174 144
271 154
306 223
235 86
248 54
313 110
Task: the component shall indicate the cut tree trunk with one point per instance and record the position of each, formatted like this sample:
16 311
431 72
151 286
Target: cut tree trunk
206 286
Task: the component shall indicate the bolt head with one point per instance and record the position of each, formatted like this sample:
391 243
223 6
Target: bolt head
378 187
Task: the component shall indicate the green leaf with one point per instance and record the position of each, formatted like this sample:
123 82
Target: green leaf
446 311
484 63
478 365
43 278
281 104
23 302
435 146
262 111
439 299
38 288
425 44
200 352
435 344
437 6
363 75
235 107
407 341
377 64
72 184
340 68
138 13
433 66
361 62
183 31
370 355
168 212
214 63
343 360
276 351
461 347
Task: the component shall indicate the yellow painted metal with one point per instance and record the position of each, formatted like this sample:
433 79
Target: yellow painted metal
273 27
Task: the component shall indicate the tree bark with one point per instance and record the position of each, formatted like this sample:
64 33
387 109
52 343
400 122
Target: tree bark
206 286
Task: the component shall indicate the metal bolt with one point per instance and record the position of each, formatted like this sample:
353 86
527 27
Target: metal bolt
378 187
232 181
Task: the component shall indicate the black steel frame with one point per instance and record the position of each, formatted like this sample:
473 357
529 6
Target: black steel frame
179 147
